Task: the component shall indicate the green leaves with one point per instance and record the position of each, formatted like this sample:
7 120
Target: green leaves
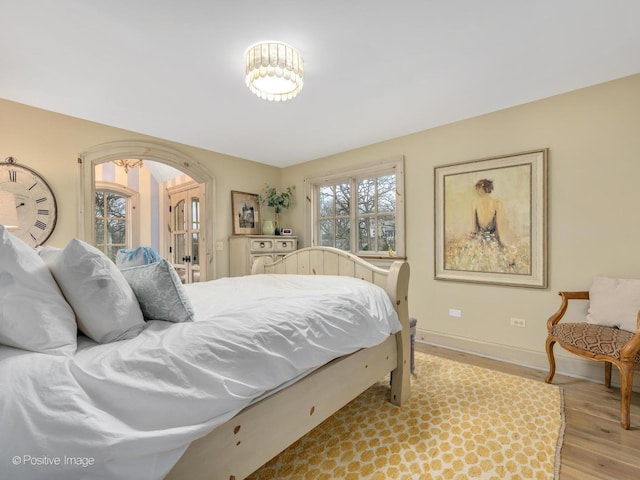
279 200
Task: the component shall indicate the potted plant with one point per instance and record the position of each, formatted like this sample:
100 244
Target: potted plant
279 200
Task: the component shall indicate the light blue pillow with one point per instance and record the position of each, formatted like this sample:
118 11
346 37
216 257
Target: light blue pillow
133 257
160 292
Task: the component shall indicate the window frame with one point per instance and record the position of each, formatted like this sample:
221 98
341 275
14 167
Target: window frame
132 222
352 175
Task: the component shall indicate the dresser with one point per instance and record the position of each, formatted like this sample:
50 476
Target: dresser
244 249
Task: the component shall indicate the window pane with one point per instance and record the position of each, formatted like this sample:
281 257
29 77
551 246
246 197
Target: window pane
342 199
367 195
326 233
99 204
195 213
326 197
343 234
116 205
195 241
386 233
182 273
366 234
178 216
179 246
117 231
387 193
112 251
99 231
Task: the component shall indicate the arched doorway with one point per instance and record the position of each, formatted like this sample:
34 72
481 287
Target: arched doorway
108 152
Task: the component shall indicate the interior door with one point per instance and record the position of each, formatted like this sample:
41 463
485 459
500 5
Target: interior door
186 248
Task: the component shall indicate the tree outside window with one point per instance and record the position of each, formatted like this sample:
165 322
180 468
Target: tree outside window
111 222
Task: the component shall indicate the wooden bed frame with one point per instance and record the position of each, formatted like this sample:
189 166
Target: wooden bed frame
237 448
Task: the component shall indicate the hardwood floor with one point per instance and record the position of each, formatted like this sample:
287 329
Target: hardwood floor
595 446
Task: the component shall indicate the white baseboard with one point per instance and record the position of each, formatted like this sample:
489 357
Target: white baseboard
566 363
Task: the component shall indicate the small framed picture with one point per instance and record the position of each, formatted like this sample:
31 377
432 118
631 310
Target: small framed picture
245 209
286 231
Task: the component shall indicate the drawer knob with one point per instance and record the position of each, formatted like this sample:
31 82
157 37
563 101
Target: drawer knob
261 244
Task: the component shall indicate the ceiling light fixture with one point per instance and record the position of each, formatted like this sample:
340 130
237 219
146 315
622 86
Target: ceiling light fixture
273 71
128 163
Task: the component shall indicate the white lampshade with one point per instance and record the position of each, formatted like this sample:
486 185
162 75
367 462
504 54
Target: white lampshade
8 212
273 70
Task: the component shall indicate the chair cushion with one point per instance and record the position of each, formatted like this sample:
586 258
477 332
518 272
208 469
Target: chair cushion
596 339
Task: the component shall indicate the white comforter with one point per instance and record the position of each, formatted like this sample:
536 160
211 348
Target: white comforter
128 410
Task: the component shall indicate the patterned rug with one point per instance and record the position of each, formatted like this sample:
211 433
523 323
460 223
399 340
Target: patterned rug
461 422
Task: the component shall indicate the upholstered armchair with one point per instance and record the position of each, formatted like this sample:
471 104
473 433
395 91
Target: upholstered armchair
604 343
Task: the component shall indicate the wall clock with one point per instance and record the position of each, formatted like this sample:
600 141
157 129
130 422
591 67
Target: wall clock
35 202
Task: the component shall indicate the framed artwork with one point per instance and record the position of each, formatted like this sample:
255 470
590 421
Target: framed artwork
490 220
245 209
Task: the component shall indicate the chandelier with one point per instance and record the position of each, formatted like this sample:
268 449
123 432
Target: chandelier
128 163
273 71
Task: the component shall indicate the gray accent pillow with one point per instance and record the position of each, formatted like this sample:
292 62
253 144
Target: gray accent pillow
160 292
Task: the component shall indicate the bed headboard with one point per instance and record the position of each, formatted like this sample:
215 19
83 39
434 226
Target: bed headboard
333 261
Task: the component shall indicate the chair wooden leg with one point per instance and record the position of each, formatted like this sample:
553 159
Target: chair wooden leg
626 385
552 360
607 374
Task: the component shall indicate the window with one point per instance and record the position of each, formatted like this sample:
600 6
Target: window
114 206
360 211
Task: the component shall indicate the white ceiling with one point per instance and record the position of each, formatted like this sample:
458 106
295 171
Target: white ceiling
374 69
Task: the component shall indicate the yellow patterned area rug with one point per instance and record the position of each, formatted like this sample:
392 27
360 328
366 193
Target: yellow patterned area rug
461 422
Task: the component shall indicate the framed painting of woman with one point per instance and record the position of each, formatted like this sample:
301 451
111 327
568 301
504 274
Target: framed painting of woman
490 220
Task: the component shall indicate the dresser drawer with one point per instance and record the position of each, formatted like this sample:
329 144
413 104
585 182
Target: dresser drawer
288 245
262 245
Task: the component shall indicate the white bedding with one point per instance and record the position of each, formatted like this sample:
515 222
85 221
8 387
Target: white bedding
129 409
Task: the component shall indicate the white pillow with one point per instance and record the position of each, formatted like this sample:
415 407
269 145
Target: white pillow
33 313
614 302
106 308
48 253
160 292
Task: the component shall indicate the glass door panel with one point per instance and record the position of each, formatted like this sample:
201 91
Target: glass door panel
186 247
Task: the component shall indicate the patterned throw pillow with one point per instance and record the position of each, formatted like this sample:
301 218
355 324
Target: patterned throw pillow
160 292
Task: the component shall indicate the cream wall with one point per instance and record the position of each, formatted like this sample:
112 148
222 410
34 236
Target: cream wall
593 137
594 171
50 143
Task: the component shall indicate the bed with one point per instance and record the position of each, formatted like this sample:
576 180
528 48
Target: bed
159 397
254 436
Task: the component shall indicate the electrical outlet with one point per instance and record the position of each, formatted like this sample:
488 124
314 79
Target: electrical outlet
219 246
518 322
455 313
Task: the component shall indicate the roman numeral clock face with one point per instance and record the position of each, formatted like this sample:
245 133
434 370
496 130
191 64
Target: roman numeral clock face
35 203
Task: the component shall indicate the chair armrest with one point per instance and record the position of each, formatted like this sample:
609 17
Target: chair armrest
566 296
630 350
